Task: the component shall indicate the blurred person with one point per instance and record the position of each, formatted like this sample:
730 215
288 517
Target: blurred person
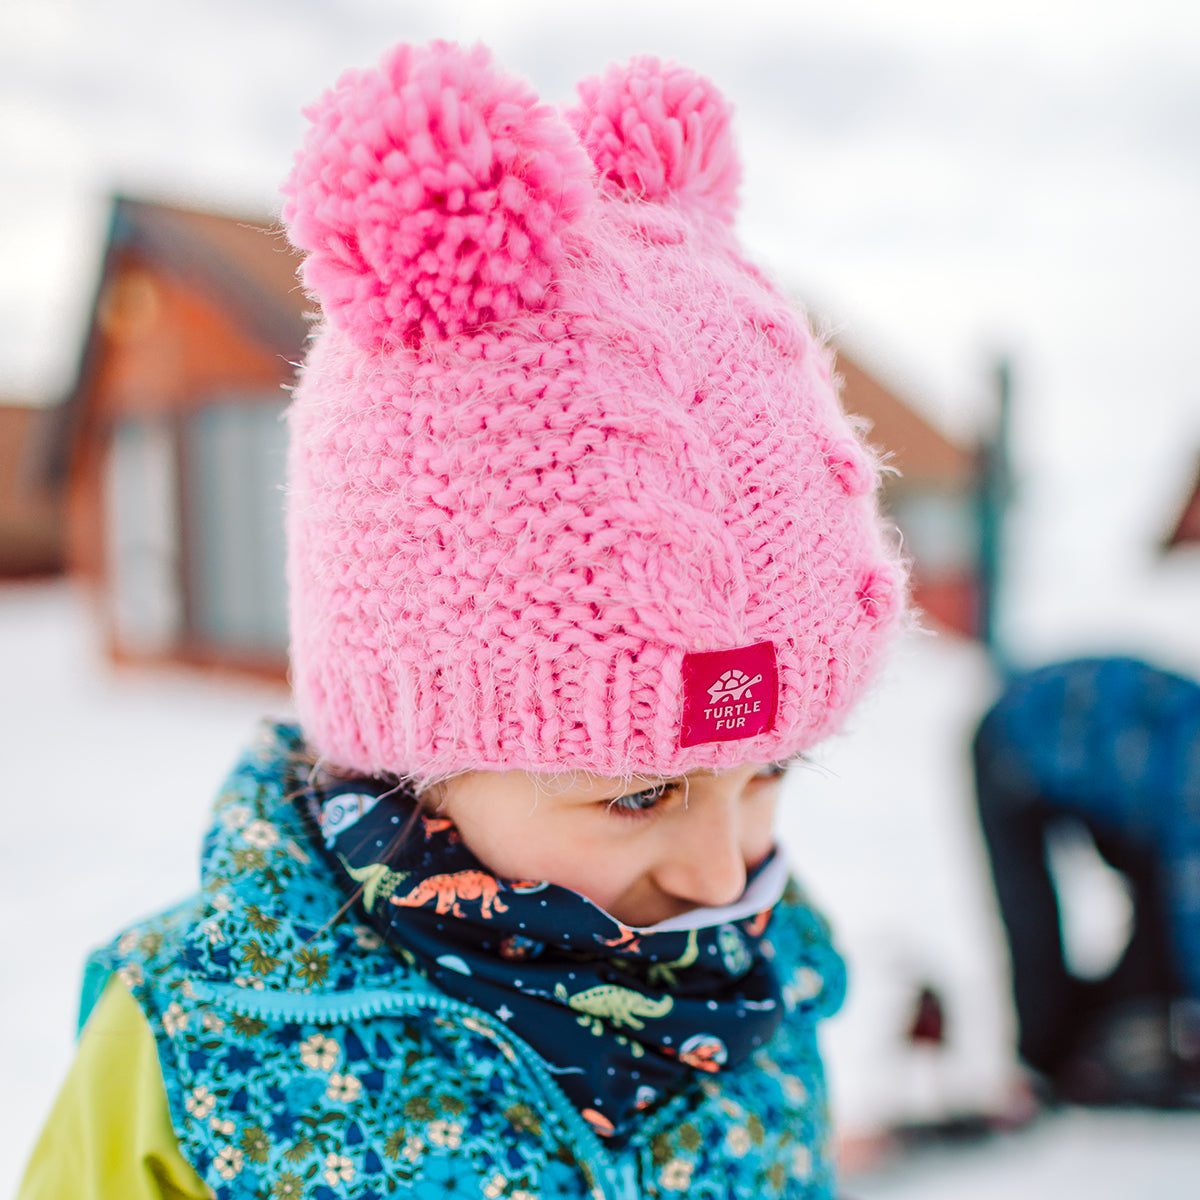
1110 746
582 553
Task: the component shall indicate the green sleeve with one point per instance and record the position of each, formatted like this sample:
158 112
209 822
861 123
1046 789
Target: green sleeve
109 1134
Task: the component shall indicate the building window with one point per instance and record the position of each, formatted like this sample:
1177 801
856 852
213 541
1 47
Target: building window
142 497
233 455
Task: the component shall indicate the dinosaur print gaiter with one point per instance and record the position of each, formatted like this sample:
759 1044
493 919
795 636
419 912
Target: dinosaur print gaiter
621 1018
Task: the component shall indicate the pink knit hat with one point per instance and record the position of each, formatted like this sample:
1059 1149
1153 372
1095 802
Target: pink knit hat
570 487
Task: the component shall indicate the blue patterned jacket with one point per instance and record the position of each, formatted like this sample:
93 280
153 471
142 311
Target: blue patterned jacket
302 1058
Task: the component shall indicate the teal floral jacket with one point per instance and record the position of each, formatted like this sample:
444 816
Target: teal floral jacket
303 1058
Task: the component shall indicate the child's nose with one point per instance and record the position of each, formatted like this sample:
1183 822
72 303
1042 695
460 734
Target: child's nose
704 862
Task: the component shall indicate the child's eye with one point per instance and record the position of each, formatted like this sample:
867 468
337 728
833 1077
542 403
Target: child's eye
772 771
637 804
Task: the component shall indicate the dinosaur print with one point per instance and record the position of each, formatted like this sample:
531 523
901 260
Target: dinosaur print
664 973
448 890
735 954
526 887
626 938
434 825
598 1121
757 924
517 948
617 1005
704 1051
377 879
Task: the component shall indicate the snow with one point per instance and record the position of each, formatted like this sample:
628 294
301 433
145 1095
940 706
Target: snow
110 775
883 835
1070 1155
940 182
109 779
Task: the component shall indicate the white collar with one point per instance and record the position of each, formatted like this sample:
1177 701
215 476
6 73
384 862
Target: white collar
764 892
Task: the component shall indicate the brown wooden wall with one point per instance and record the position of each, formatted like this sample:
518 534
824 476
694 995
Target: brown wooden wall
160 346
31 519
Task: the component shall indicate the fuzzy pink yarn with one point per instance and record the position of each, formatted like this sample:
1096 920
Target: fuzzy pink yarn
555 435
657 130
432 194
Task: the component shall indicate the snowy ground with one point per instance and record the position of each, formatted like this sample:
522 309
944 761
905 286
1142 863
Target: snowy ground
109 776
1073 1155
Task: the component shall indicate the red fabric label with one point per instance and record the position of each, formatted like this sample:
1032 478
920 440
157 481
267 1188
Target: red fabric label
728 694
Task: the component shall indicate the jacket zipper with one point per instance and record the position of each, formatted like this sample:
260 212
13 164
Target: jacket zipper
616 1183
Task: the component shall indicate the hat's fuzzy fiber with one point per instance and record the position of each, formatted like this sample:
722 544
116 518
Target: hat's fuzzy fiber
556 432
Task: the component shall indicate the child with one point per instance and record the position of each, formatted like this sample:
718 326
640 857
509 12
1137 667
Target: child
582 552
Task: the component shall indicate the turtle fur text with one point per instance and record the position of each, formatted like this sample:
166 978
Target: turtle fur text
732 716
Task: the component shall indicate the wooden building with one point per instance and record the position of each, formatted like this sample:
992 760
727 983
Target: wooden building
171 447
31 511
171 443
932 496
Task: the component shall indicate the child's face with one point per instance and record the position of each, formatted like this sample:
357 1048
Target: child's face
643 851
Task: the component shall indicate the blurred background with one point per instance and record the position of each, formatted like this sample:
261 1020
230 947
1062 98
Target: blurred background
990 208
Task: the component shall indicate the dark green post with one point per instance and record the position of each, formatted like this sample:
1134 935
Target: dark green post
993 494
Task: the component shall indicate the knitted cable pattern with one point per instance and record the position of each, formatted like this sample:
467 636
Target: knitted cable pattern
511 519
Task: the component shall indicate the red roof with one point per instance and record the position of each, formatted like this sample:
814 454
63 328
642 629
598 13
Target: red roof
1187 528
923 455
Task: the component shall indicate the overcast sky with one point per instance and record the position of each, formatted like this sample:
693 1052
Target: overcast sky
939 181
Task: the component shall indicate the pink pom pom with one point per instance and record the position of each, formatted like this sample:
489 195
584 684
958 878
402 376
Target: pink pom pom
658 130
432 194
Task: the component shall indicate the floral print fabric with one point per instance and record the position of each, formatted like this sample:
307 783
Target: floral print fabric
303 1058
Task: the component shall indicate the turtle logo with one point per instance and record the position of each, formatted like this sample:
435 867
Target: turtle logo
728 694
733 685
